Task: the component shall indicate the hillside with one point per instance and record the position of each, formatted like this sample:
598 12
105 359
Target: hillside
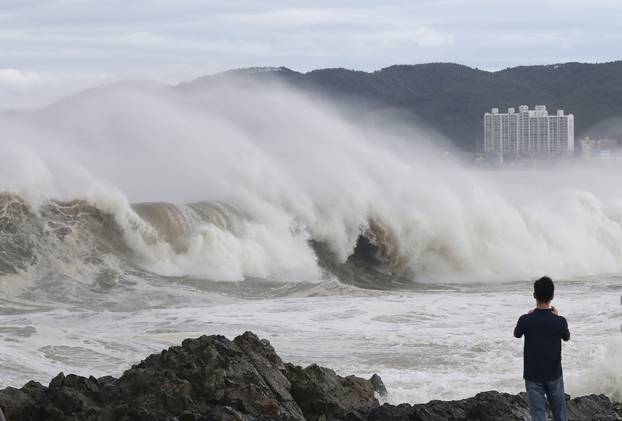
452 98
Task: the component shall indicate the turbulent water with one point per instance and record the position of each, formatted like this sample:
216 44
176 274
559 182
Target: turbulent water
135 215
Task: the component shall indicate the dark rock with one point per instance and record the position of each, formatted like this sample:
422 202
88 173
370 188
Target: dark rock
598 407
213 370
271 368
323 395
205 378
388 412
214 379
492 406
378 385
23 404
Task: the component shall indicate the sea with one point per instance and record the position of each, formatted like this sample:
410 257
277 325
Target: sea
135 215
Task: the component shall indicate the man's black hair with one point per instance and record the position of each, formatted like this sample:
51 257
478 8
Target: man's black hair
543 289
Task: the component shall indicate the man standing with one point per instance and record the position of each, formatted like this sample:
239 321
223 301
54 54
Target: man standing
544 330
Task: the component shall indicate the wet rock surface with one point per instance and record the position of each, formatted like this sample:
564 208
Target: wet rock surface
493 406
214 378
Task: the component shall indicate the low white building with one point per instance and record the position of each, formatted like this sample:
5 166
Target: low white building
601 149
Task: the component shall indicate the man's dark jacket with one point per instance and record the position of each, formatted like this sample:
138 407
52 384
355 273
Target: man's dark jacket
543 332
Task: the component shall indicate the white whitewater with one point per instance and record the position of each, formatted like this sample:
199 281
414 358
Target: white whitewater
238 182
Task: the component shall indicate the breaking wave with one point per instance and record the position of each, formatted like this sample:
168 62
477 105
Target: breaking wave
284 187
212 240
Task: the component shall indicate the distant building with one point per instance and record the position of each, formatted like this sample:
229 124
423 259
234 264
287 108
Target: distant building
598 148
527 133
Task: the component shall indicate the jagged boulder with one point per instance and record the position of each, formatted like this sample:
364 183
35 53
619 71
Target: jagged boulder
23 404
238 377
323 395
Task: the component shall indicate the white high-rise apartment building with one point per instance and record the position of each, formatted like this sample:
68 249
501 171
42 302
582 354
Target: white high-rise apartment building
528 133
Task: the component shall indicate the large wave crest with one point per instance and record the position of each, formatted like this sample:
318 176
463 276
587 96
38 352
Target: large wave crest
241 180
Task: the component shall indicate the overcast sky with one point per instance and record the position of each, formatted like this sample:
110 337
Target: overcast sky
50 48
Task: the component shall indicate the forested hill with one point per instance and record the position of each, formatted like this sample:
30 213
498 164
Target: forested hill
452 98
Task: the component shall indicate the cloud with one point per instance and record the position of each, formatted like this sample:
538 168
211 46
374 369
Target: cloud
13 78
429 37
176 40
298 17
422 36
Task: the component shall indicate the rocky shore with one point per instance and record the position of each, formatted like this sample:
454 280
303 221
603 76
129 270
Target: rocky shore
212 378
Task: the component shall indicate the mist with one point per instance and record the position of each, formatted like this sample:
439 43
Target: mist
297 168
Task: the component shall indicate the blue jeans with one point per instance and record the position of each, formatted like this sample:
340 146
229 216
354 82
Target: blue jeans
555 394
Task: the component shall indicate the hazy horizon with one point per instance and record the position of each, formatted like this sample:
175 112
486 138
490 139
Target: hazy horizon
52 48
103 80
